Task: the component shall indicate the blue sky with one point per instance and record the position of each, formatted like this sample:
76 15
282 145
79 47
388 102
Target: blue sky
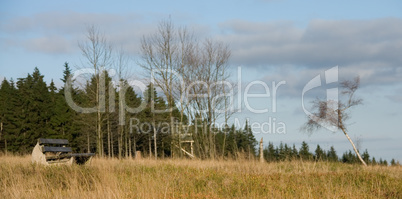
271 40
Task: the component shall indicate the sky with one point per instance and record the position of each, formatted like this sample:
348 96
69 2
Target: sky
271 41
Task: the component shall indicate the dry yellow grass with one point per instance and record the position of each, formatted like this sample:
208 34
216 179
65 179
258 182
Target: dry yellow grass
112 178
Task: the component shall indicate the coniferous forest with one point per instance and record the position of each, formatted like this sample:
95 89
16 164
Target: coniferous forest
31 109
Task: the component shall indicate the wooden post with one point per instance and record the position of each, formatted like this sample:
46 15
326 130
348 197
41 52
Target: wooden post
192 150
261 152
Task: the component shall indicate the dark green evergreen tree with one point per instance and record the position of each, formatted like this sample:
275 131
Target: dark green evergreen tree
373 161
349 157
281 152
9 120
269 153
295 153
331 155
319 154
36 111
366 156
304 152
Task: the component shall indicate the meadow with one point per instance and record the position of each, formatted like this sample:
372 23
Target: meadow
181 178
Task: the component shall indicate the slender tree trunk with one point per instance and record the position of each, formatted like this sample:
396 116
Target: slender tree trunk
354 147
134 146
120 141
134 149
261 151
163 151
150 147
223 145
111 143
108 137
172 133
5 145
98 116
226 124
209 125
126 143
99 128
129 146
154 128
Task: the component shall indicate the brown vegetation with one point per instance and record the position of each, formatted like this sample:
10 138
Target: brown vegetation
177 178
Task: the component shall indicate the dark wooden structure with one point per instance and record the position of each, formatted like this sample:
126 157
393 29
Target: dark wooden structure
56 151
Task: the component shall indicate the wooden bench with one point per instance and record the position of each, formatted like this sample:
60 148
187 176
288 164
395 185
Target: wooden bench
56 151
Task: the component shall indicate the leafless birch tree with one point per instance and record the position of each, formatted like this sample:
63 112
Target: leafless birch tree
335 114
97 52
189 73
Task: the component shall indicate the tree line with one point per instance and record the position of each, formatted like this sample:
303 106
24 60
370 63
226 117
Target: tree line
31 109
285 152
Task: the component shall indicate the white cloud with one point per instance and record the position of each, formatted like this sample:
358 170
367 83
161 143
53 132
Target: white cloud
49 44
59 32
52 32
321 42
368 48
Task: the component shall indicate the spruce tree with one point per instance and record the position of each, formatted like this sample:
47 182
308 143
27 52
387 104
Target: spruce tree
331 155
366 156
35 115
9 121
269 153
304 152
319 154
295 153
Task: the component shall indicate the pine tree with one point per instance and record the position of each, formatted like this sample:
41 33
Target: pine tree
366 156
269 153
35 115
393 162
373 161
66 122
295 153
66 73
287 152
331 155
304 152
380 162
319 154
249 141
231 145
53 114
281 152
154 102
9 109
349 157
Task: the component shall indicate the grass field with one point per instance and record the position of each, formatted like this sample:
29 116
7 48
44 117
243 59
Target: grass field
196 179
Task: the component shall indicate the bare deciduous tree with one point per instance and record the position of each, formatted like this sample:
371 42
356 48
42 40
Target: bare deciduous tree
159 55
172 57
330 113
97 52
209 81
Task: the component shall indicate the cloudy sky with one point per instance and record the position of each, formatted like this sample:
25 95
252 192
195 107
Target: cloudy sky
271 41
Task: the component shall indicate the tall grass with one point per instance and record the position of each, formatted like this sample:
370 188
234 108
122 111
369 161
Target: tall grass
175 178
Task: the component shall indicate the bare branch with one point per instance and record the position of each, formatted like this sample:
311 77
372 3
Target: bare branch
329 113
